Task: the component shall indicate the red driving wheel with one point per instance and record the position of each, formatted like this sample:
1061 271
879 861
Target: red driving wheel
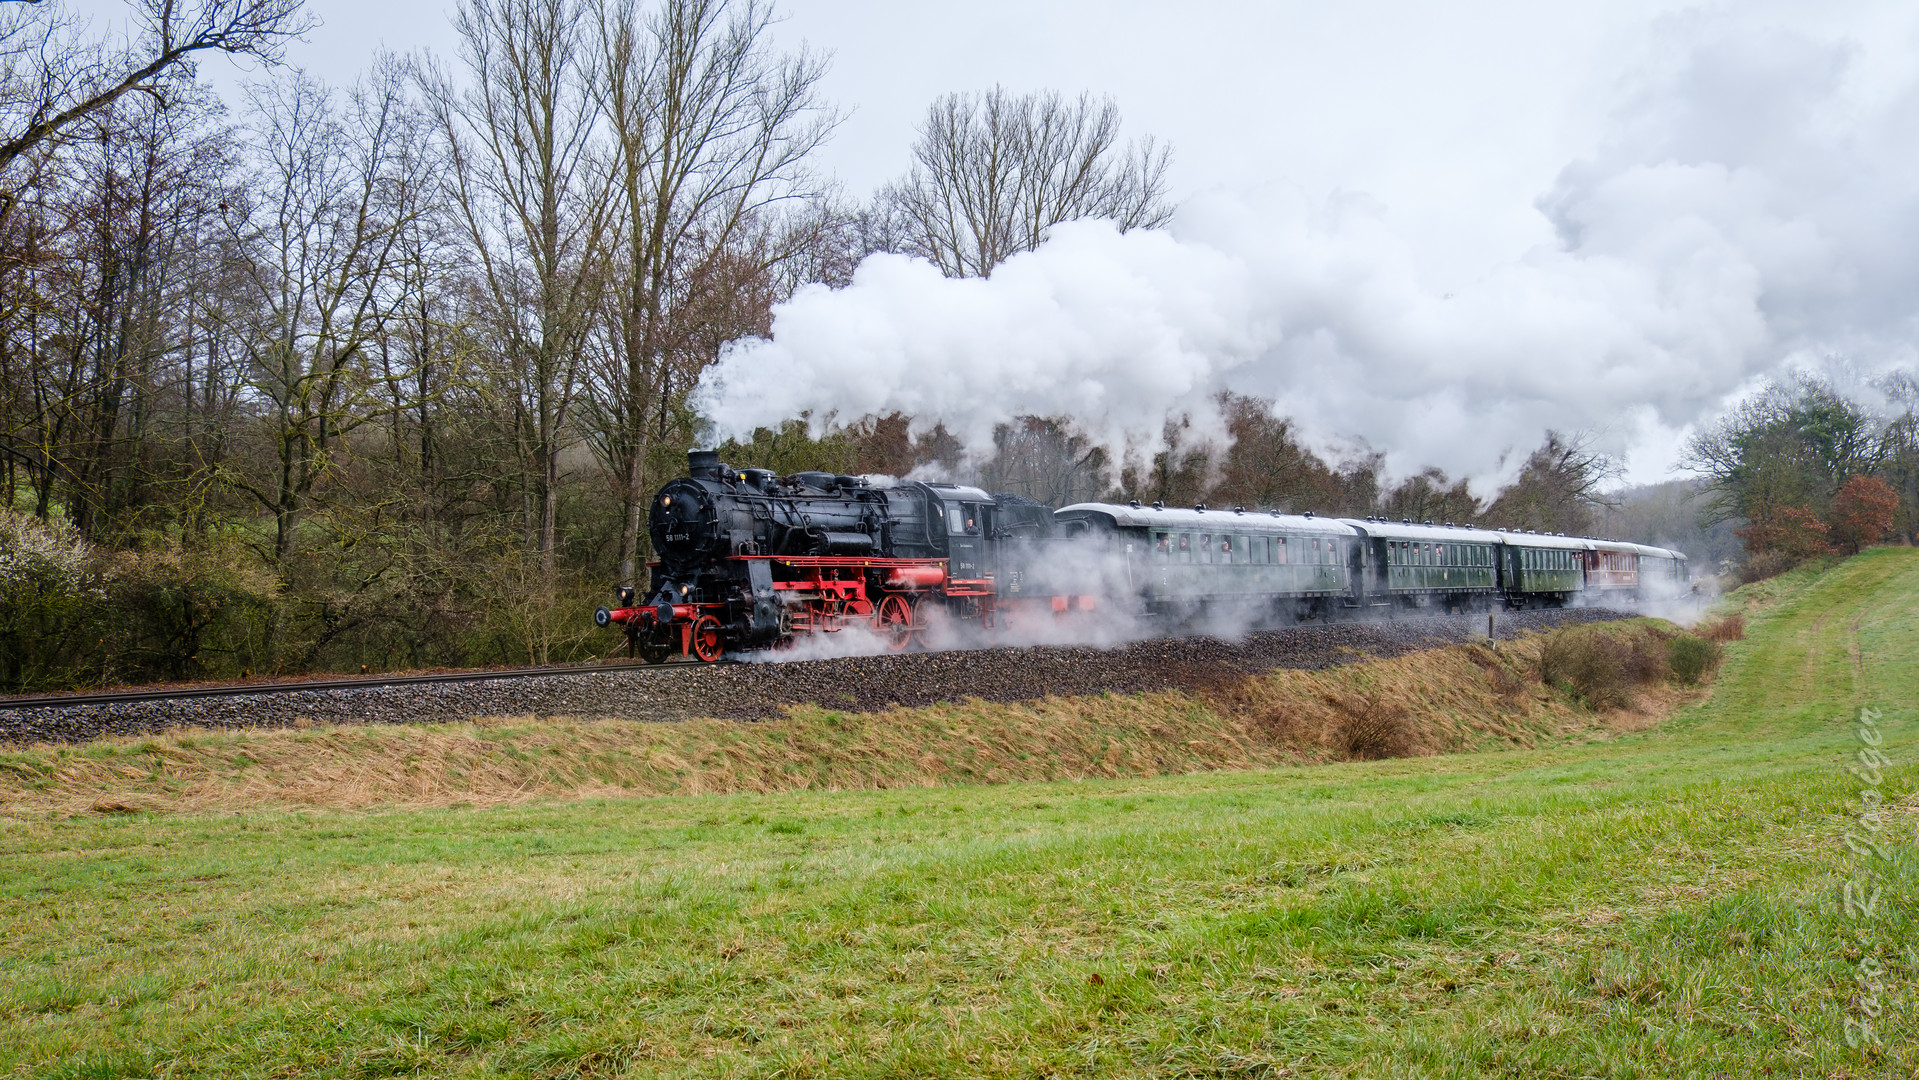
896 623
706 638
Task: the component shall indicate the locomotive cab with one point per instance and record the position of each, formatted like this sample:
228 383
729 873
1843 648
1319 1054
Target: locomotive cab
961 516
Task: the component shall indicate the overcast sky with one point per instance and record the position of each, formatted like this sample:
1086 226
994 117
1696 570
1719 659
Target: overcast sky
1653 205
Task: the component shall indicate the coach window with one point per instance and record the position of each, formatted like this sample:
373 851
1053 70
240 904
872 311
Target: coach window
1185 548
1280 551
1204 553
1162 547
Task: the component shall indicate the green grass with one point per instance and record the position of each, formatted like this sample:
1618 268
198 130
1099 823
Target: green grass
1659 904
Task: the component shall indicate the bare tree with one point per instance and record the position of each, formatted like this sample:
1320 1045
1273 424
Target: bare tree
993 172
1044 459
100 270
53 73
1559 489
321 241
1429 495
712 130
533 189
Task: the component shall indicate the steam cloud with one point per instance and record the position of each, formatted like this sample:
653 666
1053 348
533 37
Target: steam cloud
1754 207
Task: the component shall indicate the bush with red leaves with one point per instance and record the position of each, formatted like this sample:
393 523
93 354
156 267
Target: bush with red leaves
1862 513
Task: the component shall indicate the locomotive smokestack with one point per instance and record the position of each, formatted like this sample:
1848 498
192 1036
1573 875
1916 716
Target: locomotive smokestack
703 464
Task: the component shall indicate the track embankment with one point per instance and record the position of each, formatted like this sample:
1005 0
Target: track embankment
758 691
1219 717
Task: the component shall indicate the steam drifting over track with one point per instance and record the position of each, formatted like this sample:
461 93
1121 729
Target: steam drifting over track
759 691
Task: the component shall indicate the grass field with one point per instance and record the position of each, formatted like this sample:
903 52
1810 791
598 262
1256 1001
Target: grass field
1659 903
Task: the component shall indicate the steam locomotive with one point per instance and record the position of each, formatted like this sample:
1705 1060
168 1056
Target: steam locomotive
750 560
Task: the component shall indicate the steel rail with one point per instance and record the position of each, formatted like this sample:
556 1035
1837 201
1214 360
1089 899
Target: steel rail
357 682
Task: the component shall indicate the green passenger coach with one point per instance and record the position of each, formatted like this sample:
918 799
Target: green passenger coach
1183 560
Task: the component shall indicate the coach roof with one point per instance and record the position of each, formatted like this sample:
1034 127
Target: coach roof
1195 520
1441 534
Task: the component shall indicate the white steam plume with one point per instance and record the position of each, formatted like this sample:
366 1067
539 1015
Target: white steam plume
1114 330
1755 207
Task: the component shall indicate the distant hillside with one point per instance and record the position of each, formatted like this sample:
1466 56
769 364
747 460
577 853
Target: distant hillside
1667 515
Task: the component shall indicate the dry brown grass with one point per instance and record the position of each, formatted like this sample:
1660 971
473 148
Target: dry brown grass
1444 700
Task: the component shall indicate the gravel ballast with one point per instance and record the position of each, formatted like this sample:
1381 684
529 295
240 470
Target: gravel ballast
756 691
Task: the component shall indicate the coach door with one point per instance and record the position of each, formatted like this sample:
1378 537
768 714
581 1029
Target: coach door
964 541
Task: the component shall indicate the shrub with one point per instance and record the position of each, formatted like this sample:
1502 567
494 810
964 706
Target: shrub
1589 664
1730 628
1862 512
1766 564
1603 667
1692 657
51 609
187 613
1376 734
1791 530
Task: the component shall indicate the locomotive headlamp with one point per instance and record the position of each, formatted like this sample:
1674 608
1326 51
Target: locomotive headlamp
666 500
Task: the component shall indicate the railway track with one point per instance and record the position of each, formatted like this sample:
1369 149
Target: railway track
356 682
738 690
